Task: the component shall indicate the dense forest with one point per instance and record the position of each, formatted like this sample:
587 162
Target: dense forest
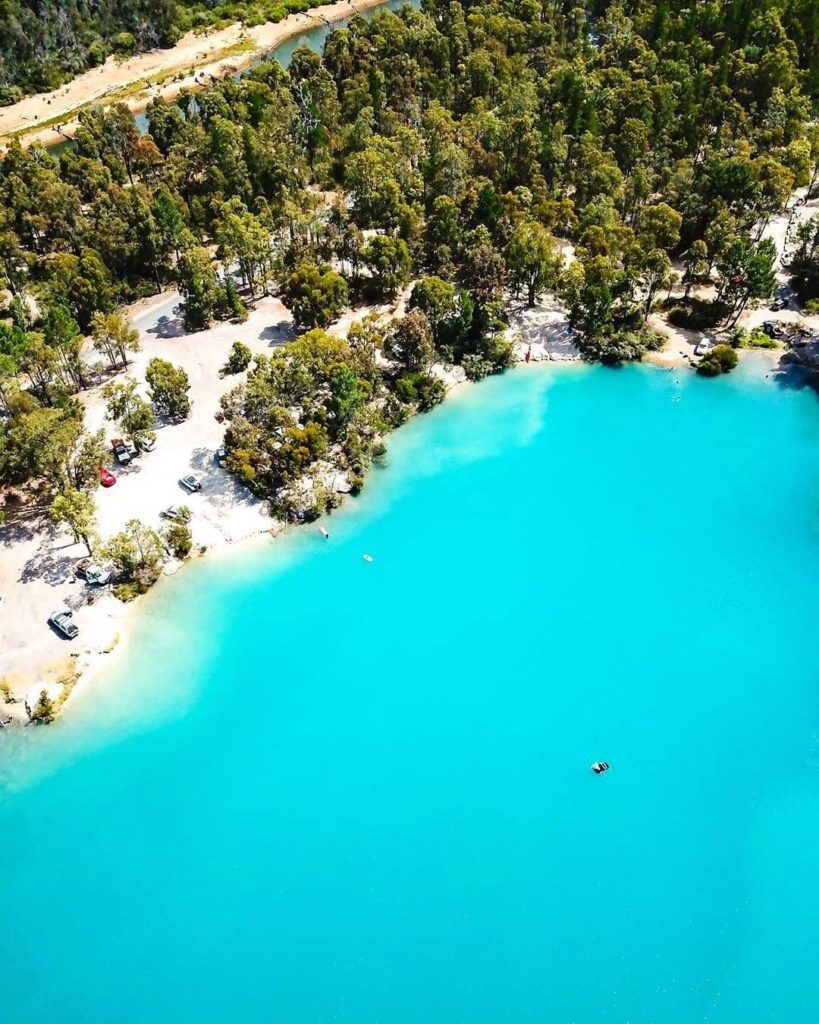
43 43
461 145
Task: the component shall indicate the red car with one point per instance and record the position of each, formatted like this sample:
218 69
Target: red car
107 478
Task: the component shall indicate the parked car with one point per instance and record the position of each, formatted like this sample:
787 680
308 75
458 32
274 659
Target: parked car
171 512
221 455
703 347
778 304
107 478
773 330
123 452
62 622
191 483
147 444
92 574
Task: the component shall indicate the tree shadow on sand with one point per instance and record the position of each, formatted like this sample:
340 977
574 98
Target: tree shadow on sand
52 565
23 525
279 333
219 487
169 326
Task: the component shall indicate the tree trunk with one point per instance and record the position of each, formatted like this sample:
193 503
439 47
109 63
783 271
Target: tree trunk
649 302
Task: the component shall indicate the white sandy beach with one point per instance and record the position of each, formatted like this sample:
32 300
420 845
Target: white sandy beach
37 560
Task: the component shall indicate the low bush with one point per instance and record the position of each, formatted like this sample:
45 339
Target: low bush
721 359
238 360
697 314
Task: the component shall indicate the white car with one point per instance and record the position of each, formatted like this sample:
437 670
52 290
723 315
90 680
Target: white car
704 347
191 483
171 512
61 621
93 574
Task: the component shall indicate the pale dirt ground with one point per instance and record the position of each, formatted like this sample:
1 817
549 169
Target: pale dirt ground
37 560
202 52
541 331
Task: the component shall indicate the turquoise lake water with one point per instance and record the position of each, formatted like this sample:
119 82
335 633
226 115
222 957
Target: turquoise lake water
310 789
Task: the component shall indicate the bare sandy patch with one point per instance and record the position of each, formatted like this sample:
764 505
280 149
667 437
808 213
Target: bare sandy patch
541 332
38 560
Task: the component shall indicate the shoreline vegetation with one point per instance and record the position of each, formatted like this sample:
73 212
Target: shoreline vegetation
210 328
197 59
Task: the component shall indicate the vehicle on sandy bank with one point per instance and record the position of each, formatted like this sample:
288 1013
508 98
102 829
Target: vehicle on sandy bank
62 623
173 512
124 452
191 483
773 330
93 574
107 478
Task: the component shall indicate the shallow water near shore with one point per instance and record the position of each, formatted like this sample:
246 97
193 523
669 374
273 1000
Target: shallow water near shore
313 789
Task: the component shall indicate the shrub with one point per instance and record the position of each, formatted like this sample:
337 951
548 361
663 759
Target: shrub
123 44
759 339
239 358
622 346
655 341
721 359
315 296
420 389
169 386
44 710
476 367
697 314
10 94
178 539
97 53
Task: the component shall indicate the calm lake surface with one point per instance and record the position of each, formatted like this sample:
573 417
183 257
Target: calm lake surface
311 789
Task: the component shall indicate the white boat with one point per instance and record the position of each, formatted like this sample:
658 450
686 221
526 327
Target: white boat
325 534
368 558
599 767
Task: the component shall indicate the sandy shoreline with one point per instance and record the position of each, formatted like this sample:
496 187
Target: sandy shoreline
108 623
37 568
192 63
37 561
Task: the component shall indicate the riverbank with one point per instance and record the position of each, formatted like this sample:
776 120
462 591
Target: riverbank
194 62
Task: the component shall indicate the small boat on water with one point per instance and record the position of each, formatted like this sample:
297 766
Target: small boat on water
599 767
368 558
325 533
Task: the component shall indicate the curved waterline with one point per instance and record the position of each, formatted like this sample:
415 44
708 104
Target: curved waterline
314 788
